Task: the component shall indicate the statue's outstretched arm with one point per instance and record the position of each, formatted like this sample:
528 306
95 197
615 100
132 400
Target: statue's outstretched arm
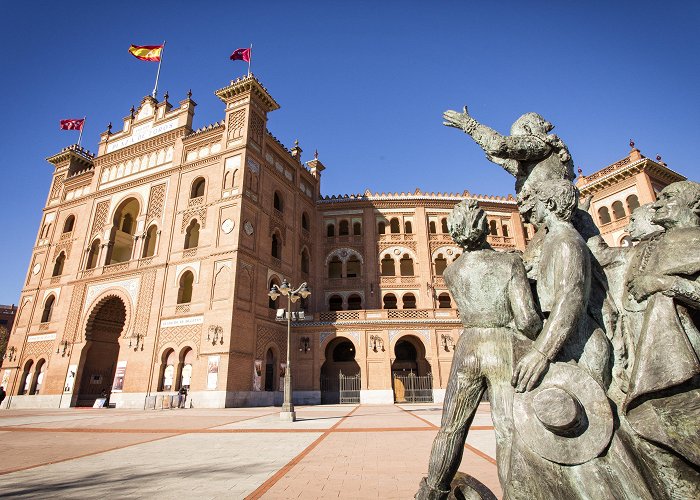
515 147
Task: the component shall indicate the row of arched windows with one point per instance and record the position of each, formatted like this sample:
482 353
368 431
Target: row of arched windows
388 266
32 379
176 370
344 229
390 301
618 209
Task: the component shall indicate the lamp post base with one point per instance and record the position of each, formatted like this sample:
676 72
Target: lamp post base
288 416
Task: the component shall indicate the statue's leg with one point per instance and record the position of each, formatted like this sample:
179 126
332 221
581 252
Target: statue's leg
465 387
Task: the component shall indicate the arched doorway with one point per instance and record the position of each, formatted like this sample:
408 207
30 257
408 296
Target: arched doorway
98 360
411 377
270 365
340 358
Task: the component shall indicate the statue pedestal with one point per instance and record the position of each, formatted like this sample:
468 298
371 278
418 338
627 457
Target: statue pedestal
288 416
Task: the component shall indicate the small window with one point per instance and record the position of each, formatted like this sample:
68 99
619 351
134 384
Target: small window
330 230
305 261
388 266
343 229
277 202
305 221
357 229
632 203
335 303
406 265
390 301
48 309
353 267
335 267
58 266
149 244
198 187
431 227
618 210
192 235
408 227
440 265
604 215
276 247
493 228
68 225
381 228
444 301
395 226
354 302
184 292
409 301
504 230
93 254
443 225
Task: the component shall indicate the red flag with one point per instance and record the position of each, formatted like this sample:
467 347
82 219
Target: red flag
72 124
241 55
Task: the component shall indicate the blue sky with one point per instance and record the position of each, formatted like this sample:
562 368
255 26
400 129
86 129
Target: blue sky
363 82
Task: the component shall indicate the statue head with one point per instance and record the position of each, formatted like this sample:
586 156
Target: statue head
531 124
553 198
467 225
641 226
678 205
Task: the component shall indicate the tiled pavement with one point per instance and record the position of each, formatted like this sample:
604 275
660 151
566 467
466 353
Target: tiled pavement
330 452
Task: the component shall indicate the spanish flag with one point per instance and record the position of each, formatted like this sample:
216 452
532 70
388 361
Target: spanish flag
147 52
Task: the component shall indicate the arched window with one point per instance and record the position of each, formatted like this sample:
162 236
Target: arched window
406 265
122 235
272 304
184 293
26 379
335 303
305 221
277 202
68 225
38 377
604 215
192 235
409 301
305 261
390 301
330 230
381 227
187 356
270 365
343 228
431 227
504 230
388 266
276 246
354 302
353 267
48 309
444 301
149 244
93 254
407 227
167 370
335 268
443 225
395 226
618 210
632 203
440 265
198 187
493 228
356 229
58 266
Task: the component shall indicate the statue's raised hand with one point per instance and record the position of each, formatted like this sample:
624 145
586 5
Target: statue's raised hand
456 119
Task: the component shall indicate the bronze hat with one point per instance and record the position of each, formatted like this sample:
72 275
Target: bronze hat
567 418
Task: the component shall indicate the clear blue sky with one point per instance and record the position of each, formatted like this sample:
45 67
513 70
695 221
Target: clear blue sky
365 82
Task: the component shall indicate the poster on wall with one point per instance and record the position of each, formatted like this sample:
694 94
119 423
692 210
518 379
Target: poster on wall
186 375
212 372
168 375
5 378
70 378
257 375
118 385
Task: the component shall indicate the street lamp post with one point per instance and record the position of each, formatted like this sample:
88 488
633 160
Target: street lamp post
288 414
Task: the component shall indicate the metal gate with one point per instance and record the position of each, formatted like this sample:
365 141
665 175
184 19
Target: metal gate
411 388
349 388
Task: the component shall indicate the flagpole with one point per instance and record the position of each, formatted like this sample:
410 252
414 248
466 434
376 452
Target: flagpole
250 58
155 88
80 136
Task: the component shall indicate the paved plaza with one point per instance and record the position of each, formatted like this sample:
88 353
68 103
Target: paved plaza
330 452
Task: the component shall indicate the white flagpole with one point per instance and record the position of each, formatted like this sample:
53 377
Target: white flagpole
80 136
250 58
155 88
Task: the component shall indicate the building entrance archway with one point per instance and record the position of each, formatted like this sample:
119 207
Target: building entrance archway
339 360
410 372
98 359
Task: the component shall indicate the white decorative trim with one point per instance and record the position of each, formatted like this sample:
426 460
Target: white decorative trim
130 286
189 320
41 338
253 165
393 334
425 333
323 336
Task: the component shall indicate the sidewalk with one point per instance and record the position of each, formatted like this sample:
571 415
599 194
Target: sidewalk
330 452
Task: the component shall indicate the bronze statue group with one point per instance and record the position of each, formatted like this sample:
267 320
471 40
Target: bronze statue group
589 353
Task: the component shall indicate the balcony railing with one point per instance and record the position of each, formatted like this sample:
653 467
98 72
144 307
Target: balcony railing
386 314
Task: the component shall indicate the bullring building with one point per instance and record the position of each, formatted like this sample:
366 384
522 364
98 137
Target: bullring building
154 259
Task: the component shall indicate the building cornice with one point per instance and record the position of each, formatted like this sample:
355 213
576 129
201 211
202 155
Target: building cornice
245 85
